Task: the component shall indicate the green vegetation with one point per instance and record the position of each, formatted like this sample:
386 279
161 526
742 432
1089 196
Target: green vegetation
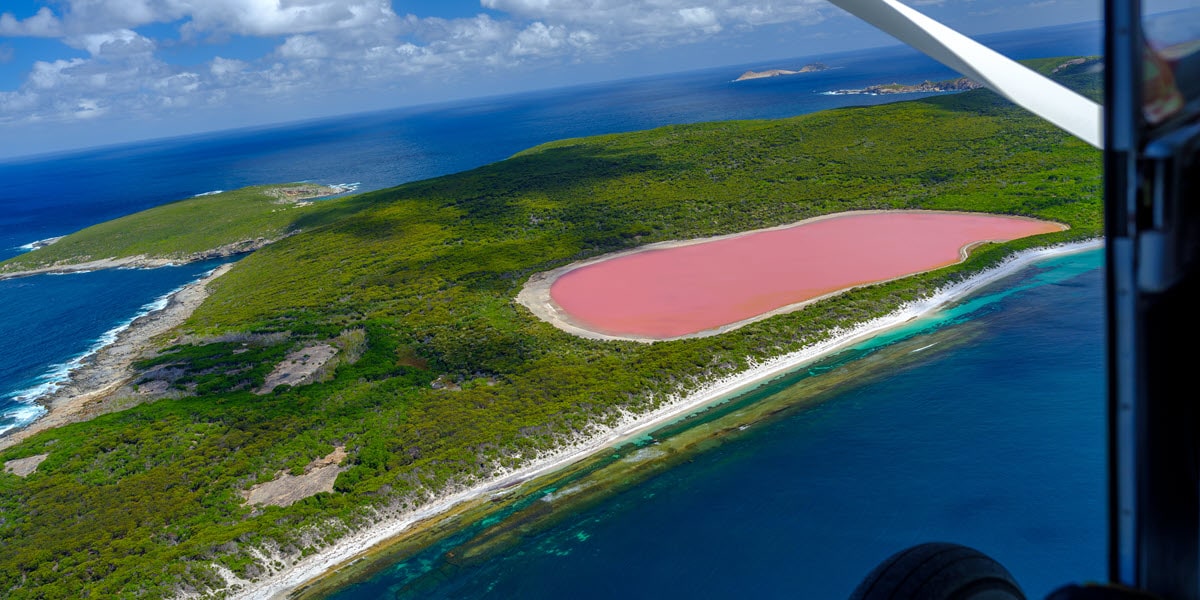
205 226
144 502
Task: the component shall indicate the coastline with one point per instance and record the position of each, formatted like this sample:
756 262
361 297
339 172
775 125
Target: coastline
129 262
535 293
141 261
297 194
89 384
281 583
34 245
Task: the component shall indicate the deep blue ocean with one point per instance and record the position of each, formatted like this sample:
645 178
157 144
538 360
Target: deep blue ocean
985 427
998 443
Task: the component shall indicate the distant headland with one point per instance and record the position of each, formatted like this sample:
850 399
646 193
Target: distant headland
809 68
961 84
216 224
374 369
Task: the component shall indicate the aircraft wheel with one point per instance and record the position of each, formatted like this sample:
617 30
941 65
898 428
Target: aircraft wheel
939 571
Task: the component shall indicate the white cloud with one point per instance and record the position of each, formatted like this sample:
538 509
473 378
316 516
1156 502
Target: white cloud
49 75
258 17
222 68
325 46
246 17
700 17
538 38
88 108
121 42
303 46
179 83
16 103
41 24
637 18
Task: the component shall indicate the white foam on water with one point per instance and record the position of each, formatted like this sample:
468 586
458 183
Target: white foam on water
34 245
26 409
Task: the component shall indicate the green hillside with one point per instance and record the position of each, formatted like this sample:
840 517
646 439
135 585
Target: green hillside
143 502
224 223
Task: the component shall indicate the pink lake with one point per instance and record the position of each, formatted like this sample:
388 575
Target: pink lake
682 290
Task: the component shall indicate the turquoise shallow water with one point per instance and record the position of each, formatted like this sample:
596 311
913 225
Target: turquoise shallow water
982 425
998 444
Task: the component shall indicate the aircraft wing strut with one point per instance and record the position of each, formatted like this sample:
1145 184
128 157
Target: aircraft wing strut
1062 107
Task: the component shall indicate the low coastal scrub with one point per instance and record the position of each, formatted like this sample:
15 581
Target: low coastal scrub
418 281
207 226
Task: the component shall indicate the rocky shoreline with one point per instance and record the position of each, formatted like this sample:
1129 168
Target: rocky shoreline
962 84
150 262
293 194
91 388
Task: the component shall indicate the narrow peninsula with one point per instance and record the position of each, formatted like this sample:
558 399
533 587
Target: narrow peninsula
961 84
1077 66
207 226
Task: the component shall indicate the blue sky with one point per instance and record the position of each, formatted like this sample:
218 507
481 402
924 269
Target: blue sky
77 73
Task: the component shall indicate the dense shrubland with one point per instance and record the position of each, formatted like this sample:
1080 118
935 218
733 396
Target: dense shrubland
143 502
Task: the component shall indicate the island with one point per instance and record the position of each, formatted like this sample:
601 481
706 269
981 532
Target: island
371 367
809 68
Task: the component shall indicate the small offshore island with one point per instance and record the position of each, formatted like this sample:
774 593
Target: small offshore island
809 68
365 369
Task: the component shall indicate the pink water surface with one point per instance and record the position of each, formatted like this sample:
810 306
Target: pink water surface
670 292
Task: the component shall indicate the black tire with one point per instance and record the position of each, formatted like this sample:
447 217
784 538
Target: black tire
939 571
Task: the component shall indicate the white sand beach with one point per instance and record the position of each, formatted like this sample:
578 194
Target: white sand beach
280 583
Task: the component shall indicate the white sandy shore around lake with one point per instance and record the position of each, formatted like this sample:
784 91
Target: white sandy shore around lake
92 380
535 294
280 583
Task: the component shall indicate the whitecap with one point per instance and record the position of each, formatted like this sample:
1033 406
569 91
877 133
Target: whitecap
19 416
345 188
27 409
34 245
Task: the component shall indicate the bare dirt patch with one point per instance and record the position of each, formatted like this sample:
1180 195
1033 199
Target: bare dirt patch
299 367
287 489
22 467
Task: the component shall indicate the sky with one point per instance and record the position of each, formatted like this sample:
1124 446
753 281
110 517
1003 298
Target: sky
80 73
